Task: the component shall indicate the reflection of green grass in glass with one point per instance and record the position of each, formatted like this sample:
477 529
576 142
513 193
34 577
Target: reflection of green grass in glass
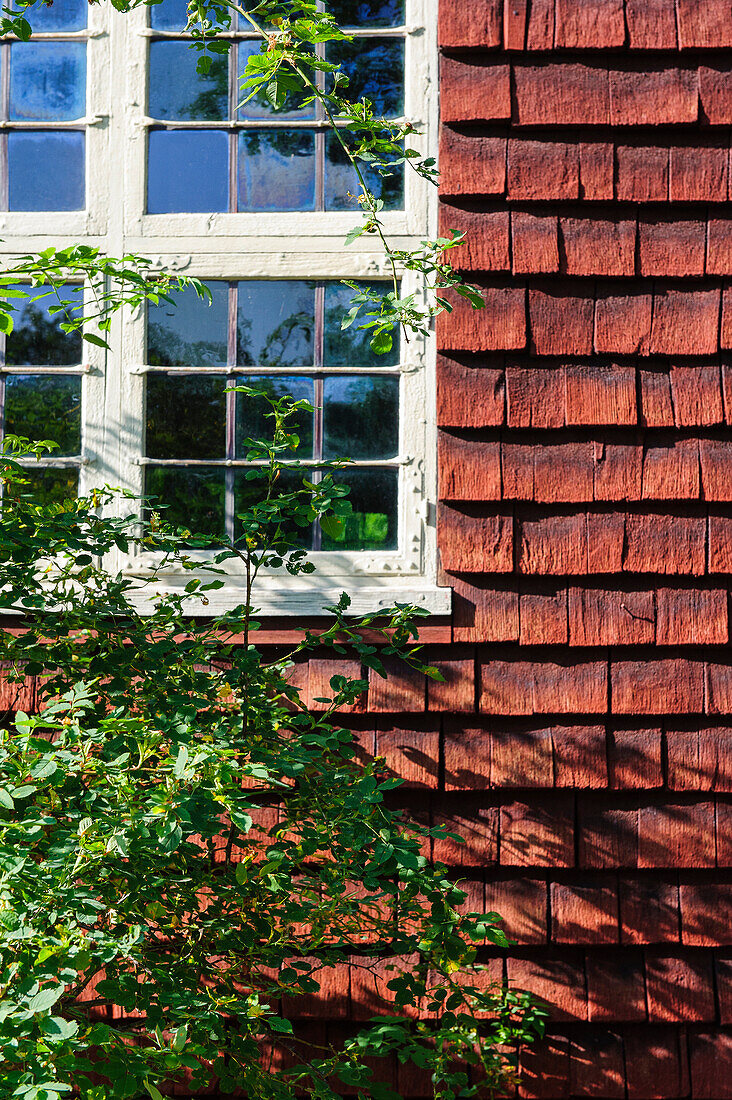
371 523
45 407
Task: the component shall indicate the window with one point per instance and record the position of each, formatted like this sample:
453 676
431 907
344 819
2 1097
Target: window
40 388
261 159
153 417
43 103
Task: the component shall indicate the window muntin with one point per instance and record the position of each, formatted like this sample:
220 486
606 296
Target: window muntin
258 159
40 387
281 337
43 106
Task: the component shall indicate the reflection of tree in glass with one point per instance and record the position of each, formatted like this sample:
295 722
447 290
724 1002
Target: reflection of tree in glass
50 486
361 421
167 349
212 102
374 13
350 347
186 417
251 422
194 498
277 350
38 341
43 407
375 71
288 143
340 180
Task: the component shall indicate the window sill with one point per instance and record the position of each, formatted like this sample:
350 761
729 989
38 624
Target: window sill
284 597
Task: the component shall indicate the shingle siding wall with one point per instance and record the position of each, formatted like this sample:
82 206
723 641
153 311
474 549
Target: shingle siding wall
585 522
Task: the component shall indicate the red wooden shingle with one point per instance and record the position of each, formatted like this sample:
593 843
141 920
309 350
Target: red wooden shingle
586 914
623 320
671 686
486 244
597 170
522 902
469 469
618 471
634 759
715 94
500 325
599 394
482 611
655 1063
469 396
671 247
676 835
671 472
696 393
535 243
535 397
656 95
651 24
561 323
594 246
616 987
704 23
589 24
553 545
542 170
700 759
478 25
641 173
698 172
601 617
685 322
474 91
680 986
549 94
475 544
558 979
691 616
540 28
539 833
471 165
543 616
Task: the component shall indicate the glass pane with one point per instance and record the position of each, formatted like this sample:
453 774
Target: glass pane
37 339
49 486
251 422
275 324
193 498
178 92
249 491
169 15
186 416
258 107
61 184
372 522
361 417
367 13
342 186
375 70
276 170
47 81
61 15
188 171
45 407
190 333
350 347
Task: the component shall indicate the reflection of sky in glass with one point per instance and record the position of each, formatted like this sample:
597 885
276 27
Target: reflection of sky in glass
258 107
350 347
275 325
37 338
361 417
170 15
375 71
62 15
367 13
45 407
191 332
47 80
178 92
59 183
276 170
188 171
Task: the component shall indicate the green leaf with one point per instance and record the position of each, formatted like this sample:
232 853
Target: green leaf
55 1027
98 342
381 342
332 526
152 1091
6 799
45 999
282 1027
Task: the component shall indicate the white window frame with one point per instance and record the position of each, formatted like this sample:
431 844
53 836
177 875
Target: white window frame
235 247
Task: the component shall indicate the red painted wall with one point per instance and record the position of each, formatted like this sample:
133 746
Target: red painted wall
586 520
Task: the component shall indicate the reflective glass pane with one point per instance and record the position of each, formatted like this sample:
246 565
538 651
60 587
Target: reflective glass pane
342 186
37 339
258 106
375 71
252 423
190 333
276 170
185 416
47 81
61 183
275 324
45 407
51 486
361 417
178 92
187 171
61 15
193 498
249 491
367 13
169 15
350 347
372 521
